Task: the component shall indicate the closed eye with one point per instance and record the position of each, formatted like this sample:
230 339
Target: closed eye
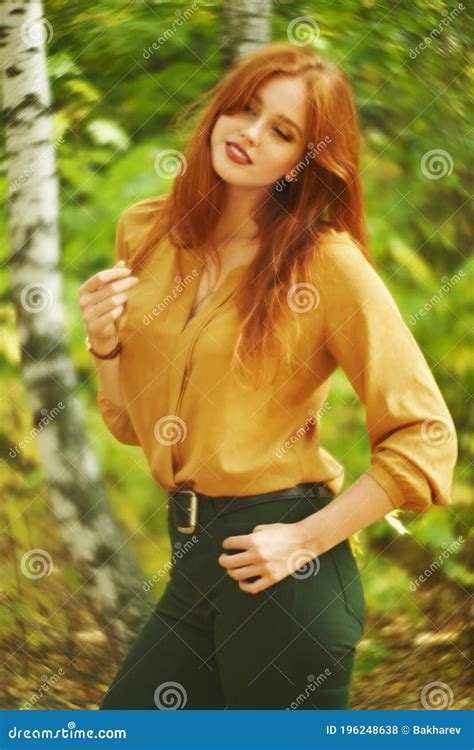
280 133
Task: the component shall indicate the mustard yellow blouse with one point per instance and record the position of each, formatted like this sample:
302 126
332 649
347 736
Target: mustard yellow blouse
200 427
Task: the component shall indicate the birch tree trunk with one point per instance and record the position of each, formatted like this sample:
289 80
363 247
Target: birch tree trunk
246 27
112 580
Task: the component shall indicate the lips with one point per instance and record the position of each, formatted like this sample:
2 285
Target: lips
237 153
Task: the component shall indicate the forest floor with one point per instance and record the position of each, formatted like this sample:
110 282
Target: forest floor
57 657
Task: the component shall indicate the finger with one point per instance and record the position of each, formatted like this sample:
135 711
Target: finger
237 542
233 560
103 277
247 572
114 287
97 325
95 311
256 586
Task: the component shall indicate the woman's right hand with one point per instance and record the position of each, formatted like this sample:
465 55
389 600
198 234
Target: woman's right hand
102 299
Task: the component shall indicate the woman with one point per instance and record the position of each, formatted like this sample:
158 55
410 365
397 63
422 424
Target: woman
251 284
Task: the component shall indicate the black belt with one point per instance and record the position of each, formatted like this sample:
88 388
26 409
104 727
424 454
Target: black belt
183 504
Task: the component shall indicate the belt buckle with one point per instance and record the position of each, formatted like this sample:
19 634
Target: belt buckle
184 514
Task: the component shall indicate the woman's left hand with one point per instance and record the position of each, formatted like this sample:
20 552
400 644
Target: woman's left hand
271 551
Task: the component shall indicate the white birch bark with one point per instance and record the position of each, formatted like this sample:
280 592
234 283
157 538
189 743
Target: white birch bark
111 577
246 26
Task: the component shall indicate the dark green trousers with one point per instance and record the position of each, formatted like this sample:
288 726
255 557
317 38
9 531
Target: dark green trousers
210 645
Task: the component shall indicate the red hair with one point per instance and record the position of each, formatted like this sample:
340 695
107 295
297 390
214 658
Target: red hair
293 218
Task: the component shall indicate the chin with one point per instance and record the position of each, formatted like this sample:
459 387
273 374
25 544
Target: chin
228 175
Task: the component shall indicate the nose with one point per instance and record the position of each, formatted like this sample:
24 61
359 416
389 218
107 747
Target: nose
250 135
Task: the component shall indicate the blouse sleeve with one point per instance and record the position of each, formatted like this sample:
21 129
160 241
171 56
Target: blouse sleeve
116 419
412 437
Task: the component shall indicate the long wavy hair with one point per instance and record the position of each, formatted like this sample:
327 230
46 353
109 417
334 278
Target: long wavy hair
295 214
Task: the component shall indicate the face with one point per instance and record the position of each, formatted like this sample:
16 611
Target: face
269 130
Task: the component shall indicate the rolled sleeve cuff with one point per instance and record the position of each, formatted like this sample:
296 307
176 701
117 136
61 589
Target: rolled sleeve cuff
117 421
383 477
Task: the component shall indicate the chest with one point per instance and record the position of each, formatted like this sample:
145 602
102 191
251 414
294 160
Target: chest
210 281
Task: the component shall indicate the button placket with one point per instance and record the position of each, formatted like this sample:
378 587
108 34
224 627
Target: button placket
186 341
203 321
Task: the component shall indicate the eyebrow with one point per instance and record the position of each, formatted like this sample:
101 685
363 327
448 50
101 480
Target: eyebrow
282 117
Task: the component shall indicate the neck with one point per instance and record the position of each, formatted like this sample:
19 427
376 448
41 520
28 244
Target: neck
236 223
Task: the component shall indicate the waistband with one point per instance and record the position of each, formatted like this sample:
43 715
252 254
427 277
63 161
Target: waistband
316 492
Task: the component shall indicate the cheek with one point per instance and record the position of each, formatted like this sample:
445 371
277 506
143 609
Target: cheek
281 157
225 125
